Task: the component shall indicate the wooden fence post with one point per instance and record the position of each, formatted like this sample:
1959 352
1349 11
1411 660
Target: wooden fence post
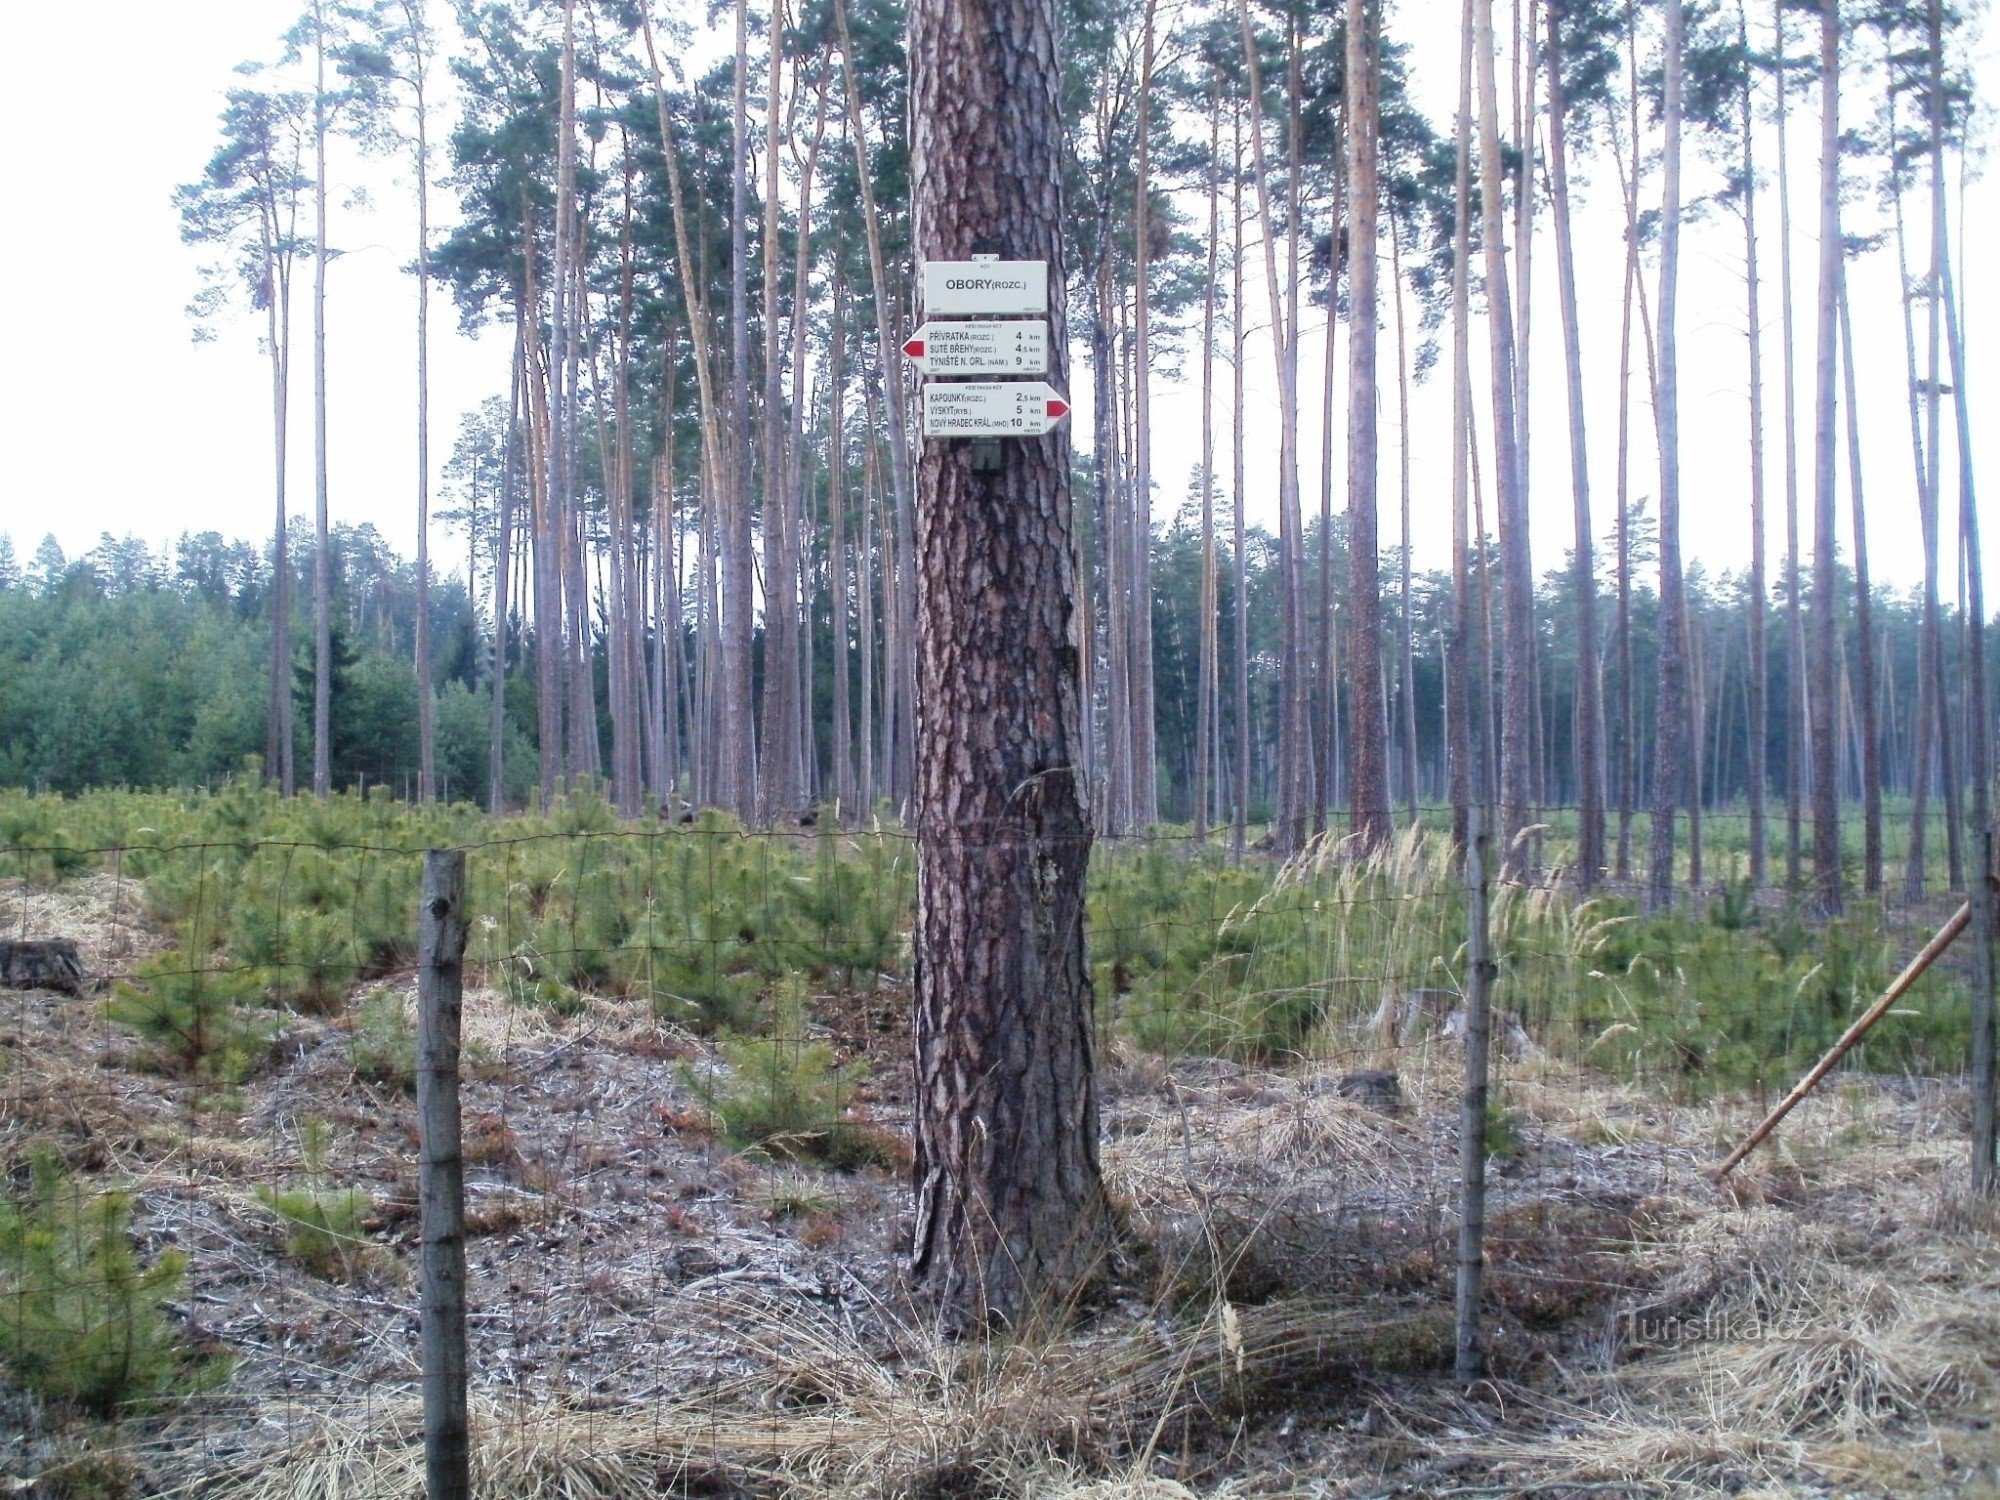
1479 972
441 1175
1980 898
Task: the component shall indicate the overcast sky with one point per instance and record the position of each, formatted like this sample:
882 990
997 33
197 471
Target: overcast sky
117 421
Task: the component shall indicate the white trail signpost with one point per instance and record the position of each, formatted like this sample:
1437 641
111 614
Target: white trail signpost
985 288
991 408
1006 332
1013 347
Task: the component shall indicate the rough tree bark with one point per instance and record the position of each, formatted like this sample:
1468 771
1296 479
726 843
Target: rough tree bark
1011 1209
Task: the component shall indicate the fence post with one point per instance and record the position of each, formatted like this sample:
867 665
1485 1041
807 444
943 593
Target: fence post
1980 896
441 1175
1479 972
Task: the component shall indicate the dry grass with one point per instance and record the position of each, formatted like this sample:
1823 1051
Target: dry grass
1831 1319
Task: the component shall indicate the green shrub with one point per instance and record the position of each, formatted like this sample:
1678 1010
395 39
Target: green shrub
80 1318
785 1096
383 1048
194 1016
323 1224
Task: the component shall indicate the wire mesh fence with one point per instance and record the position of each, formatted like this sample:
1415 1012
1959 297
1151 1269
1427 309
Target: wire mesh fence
686 1112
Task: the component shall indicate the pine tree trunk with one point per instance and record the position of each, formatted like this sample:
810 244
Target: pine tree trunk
1760 684
1864 624
496 733
1589 752
1826 780
1289 834
1145 754
739 749
1206 725
426 699
1412 780
1517 582
322 543
1011 1210
1368 795
899 660
842 660
278 735
1979 720
779 787
1326 774
1670 745
1240 816
1797 739
1458 673
1116 549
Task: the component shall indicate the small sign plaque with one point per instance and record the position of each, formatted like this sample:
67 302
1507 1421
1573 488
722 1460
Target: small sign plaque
986 287
1013 347
991 408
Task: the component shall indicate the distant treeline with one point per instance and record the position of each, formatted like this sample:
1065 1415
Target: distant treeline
125 667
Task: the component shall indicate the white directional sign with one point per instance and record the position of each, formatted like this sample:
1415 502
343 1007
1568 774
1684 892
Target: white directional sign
991 408
1015 347
974 288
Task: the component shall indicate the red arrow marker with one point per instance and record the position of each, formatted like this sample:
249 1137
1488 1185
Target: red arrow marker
1058 409
914 348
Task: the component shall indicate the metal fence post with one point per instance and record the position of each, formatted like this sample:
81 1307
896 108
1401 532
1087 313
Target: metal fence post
1980 897
441 1175
1479 971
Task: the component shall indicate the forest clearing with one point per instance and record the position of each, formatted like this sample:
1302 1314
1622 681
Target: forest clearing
1051 830
687 1105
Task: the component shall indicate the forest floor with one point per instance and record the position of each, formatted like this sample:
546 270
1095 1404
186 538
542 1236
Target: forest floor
653 1313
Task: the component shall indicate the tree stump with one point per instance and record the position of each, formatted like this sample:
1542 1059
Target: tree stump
41 964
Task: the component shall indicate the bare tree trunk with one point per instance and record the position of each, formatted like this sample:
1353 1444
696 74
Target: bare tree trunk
1412 780
278 733
1145 755
1826 780
1326 776
1627 771
871 488
496 740
1517 582
1458 673
780 784
1205 716
1979 719
1669 730
1760 683
1116 547
739 749
413 14
1864 625
322 569
693 295
842 654
1944 306
899 664
1292 815
1589 754
1797 742
1368 794
1011 1213
1240 817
